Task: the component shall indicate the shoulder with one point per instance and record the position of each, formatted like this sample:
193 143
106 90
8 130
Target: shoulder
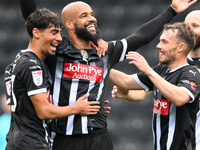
189 69
190 72
26 62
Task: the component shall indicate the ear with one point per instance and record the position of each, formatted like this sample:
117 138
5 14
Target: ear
181 47
69 25
36 33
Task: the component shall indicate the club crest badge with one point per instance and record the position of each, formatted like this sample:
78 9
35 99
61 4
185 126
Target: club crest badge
37 77
85 56
8 87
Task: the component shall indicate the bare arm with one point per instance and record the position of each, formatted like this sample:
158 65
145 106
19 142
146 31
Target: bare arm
123 80
130 95
46 110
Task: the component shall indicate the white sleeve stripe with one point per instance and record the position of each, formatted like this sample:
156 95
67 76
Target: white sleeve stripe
43 90
124 42
189 93
140 83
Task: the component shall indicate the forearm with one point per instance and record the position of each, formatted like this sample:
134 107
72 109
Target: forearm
148 31
122 80
46 110
52 111
117 78
173 93
137 95
27 7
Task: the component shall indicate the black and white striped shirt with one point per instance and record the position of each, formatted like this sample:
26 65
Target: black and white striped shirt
196 141
174 127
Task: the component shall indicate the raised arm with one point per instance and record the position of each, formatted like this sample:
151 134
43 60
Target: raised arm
27 7
148 31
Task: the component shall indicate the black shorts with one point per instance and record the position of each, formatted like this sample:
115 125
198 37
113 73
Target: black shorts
83 142
25 140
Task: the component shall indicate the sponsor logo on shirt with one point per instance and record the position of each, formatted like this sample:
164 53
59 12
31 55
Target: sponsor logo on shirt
193 85
84 72
161 106
193 72
37 77
8 87
8 71
35 61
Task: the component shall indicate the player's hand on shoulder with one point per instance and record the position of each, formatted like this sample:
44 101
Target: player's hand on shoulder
101 47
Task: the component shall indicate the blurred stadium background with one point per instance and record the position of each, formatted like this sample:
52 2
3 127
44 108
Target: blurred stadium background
129 123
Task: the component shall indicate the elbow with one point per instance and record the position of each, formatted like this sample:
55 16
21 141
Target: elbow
180 102
42 116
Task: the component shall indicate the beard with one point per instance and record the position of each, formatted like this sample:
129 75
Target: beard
197 45
84 34
170 58
167 61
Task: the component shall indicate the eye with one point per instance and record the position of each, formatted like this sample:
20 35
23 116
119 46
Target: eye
54 32
164 41
195 25
83 15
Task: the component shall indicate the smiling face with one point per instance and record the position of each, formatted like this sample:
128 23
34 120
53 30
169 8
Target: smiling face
44 28
167 47
48 40
78 18
85 34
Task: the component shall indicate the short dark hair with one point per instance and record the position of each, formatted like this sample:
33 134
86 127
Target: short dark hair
42 19
185 34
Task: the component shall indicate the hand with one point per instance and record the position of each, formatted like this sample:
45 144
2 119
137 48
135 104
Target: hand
86 107
119 92
140 62
181 5
106 109
101 47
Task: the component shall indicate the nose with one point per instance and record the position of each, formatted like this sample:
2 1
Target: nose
92 18
59 37
158 46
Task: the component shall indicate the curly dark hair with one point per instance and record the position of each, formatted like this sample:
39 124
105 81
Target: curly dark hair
42 19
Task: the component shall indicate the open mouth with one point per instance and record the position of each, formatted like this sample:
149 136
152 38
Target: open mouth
53 46
91 27
161 54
